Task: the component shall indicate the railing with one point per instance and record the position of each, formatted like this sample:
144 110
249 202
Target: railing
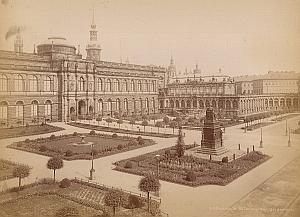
87 182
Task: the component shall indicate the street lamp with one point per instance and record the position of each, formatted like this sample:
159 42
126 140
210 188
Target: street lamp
289 141
157 157
92 170
261 138
286 128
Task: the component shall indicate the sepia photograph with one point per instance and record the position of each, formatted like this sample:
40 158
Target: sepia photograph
144 108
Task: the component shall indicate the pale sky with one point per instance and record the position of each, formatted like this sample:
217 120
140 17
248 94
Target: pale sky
238 36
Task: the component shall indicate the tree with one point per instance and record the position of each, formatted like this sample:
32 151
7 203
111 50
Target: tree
120 121
149 184
21 172
166 119
108 121
98 119
132 122
145 123
173 124
159 124
114 198
180 144
54 164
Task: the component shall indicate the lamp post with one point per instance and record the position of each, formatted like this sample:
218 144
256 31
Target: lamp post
289 141
92 170
157 157
261 138
286 128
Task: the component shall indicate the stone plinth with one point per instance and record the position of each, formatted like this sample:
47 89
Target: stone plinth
212 140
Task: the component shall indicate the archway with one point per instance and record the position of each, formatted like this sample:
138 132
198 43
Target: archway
81 107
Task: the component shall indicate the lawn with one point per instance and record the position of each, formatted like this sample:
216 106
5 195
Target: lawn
174 169
46 198
6 169
68 148
116 130
42 206
27 130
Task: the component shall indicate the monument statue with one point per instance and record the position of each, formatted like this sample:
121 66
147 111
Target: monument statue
212 138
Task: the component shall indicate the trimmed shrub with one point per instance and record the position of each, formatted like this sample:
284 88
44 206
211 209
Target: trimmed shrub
135 201
120 147
69 153
92 132
114 135
27 125
225 160
191 176
65 183
43 148
132 142
128 164
75 134
27 140
67 212
52 137
141 141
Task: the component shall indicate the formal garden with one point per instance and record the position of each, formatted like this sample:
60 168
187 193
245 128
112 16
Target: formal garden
142 132
27 130
78 198
172 165
81 146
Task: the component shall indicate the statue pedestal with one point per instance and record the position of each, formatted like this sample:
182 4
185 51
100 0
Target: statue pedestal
212 142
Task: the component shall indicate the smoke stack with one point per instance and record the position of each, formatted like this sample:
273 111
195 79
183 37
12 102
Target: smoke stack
18 42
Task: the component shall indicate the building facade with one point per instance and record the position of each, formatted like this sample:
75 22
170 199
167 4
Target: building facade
57 83
231 98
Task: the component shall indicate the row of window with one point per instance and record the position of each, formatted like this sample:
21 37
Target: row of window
19 83
110 85
34 106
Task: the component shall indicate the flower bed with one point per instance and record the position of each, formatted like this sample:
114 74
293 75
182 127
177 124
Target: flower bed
27 131
68 146
207 172
123 131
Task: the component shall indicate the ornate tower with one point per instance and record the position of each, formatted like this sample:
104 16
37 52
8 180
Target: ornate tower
18 45
93 49
171 70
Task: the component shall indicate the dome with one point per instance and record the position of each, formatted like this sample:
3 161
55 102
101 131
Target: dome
56 45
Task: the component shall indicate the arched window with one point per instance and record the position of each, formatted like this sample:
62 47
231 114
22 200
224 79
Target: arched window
34 108
134 104
48 108
99 85
141 103
19 83
125 86
153 86
81 84
126 104
3 110
19 109
108 85
147 103
47 84
132 89
118 104
109 105
146 86
139 87
117 85
100 106
33 83
3 83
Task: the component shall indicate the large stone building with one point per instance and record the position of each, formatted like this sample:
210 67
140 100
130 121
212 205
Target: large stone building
57 82
232 97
